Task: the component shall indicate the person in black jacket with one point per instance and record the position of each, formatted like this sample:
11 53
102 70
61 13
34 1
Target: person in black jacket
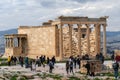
53 60
87 66
115 66
67 67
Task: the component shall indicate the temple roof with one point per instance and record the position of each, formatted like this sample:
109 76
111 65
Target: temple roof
15 35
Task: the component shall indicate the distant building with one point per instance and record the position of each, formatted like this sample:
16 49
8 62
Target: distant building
63 37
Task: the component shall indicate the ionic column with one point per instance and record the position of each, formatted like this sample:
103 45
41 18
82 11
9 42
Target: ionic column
79 39
12 45
20 42
57 41
70 35
99 38
104 39
96 38
61 41
88 40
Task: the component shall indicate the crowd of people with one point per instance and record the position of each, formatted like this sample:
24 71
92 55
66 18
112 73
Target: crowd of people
72 63
32 63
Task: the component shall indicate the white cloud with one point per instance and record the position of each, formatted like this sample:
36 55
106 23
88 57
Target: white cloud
33 12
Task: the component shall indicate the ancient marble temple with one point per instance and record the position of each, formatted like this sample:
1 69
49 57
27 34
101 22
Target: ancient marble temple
62 37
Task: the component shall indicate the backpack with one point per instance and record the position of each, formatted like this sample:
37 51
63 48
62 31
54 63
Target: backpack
115 65
51 64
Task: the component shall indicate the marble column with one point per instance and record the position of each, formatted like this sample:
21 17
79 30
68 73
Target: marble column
20 42
79 39
61 41
88 39
96 38
99 38
70 39
57 41
104 39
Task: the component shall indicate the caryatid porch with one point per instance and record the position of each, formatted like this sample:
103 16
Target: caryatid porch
88 23
15 44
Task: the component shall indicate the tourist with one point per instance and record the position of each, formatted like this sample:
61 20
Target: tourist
44 58
71 67
86 57
101 58
9 61
37 61
78 61
51 66
92 69
67 67
44 64
41 59
12 59
97 56
75 62
112 57
21 61
48 60
87 66
15 60
53 60
26 62
30 65
115 68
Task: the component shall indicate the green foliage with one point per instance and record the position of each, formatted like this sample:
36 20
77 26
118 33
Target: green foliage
74 78
14 77
3 59
108 74
4 64
54 76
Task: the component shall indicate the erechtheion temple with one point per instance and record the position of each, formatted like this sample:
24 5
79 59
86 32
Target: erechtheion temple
62 37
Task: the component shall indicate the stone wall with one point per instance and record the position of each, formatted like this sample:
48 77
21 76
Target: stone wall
66 44
8 52
40 40
97 64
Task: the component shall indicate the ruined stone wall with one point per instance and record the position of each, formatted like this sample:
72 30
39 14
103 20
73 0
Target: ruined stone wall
40 40
66 43
8 52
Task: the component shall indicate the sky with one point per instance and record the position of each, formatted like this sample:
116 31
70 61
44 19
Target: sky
15 13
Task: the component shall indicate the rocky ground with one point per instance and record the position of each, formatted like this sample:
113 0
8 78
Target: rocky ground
42 73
